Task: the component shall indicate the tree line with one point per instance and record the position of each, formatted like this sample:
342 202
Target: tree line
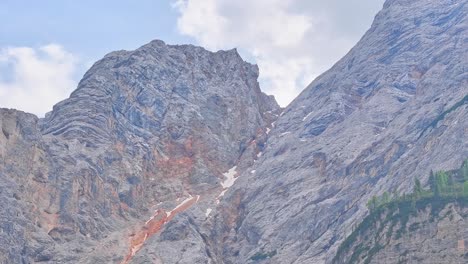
441 184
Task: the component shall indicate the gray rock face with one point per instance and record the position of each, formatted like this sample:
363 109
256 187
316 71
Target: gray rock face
144 130
393 108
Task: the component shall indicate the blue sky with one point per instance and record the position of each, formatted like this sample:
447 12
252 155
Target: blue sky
88 27
46 46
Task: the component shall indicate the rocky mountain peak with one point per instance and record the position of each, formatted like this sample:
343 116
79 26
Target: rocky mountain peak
146 134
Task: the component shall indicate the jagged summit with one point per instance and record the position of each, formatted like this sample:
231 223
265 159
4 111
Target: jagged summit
132 84
143 131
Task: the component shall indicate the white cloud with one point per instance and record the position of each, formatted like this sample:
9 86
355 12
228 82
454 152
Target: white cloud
292 41
36 79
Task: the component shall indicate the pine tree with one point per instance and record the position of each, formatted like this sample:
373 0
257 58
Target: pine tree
385 198
433 183
441 179
465 188
372 204
464 170
450 183
417 188
413 202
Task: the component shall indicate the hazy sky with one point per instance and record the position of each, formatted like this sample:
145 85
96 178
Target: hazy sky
46 46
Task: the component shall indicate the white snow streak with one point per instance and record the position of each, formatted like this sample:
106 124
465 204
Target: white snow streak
307 116
230 177
182 204
208 211
228 182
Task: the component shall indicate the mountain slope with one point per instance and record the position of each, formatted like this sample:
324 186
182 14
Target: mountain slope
429 236
393 108
144 131
362 128
425 226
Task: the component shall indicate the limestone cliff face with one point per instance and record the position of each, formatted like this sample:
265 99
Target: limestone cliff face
393 108
144 131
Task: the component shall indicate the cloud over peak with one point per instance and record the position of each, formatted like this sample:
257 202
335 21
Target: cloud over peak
34 79
292 41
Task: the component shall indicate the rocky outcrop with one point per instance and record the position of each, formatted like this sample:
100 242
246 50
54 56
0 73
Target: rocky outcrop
393 108
144 130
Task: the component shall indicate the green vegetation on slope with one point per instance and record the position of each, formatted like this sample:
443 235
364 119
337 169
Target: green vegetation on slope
261 256
389 210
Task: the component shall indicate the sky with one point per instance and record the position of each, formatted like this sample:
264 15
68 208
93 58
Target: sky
46 46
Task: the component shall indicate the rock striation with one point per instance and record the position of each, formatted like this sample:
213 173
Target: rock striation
144 130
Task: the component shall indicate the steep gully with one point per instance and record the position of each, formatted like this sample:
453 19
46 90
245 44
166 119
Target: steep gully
161 217
154 224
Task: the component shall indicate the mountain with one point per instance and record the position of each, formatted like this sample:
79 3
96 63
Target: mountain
392 109
147 134
172 154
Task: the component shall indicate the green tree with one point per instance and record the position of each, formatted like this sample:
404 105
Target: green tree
464 170
385 198
465 188
450 184
372 204
418 190
441 182
432 182
413 202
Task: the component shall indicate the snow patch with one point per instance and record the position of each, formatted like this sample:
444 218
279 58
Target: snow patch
230 177
252 171
208 211
151 218
285 133
184 202
307 116
222 193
